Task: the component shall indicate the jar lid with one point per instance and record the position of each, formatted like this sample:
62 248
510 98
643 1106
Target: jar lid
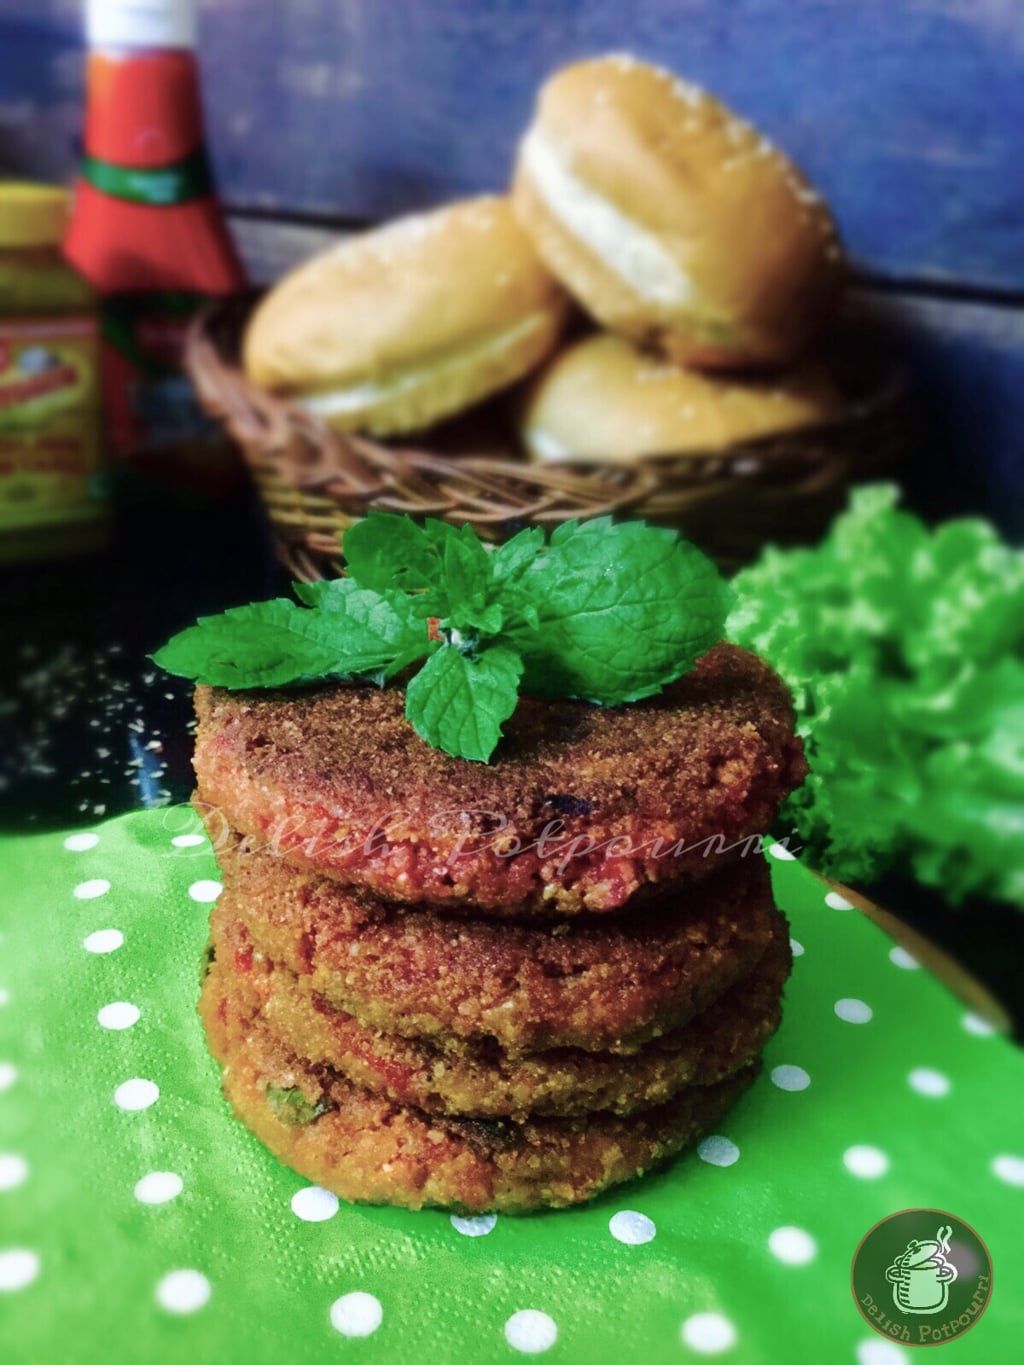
32 214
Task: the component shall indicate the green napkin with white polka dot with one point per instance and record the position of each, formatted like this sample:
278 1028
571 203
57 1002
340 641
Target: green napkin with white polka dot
140 1223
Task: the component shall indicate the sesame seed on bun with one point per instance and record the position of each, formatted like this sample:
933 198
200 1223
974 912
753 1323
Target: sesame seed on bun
673 221
401 326
605 399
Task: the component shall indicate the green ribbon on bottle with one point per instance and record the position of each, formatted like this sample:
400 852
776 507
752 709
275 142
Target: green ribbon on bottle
179 182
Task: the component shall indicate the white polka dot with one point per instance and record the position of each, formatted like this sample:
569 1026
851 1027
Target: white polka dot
88 891
981 1028
474 1227
853 1011
531 1331
13 1170
188 840
928 1082
119 1015
18 1268
899 957
356 1314
103 941
708 1333
314 1205
792 1246
8 1075
631 1227
797 947
1009 1168
136 1094
835 901
867 1162
790 1077
183 1291
878 1352
781 852
159 1187
5 997
718 1151
205 891
78 843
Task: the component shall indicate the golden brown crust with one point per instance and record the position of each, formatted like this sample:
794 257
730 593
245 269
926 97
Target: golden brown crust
609 984
433 311
582 806
604 398
756 245
479 1079
367 1149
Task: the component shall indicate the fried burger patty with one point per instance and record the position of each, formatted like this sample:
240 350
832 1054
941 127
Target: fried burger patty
607 983
367 1148
478 1078
583 805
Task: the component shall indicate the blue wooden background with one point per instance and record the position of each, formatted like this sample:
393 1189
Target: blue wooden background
908 114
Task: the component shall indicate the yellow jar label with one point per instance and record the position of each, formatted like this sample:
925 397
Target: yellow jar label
47 366
49 421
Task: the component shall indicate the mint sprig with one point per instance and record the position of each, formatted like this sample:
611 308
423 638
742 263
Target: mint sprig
604 612
458 701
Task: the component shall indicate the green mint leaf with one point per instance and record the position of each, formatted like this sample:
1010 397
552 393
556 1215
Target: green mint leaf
448 568
519 611
389 553
392 619
328 594
458 703
467 576
276 643
488 620
511 565
510 561
467 561
623 610
267 644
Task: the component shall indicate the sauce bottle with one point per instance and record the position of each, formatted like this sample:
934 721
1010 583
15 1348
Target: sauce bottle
147 229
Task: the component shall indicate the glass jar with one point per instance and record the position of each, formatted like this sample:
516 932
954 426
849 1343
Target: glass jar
52 491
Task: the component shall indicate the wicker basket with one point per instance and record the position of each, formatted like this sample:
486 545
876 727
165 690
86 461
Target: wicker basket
315 481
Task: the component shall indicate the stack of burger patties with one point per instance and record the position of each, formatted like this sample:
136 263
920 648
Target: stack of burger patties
493 986
649 287
512 985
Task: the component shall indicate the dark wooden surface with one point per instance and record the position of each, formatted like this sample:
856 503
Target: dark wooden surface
907 113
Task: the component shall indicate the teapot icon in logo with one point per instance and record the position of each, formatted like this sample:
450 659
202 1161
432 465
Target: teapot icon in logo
921 1275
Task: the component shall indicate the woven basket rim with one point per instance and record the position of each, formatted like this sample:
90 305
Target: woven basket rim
357 472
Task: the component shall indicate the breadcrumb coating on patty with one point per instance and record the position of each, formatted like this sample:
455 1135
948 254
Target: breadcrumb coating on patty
602 983
366 1148
582 807
477 1078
